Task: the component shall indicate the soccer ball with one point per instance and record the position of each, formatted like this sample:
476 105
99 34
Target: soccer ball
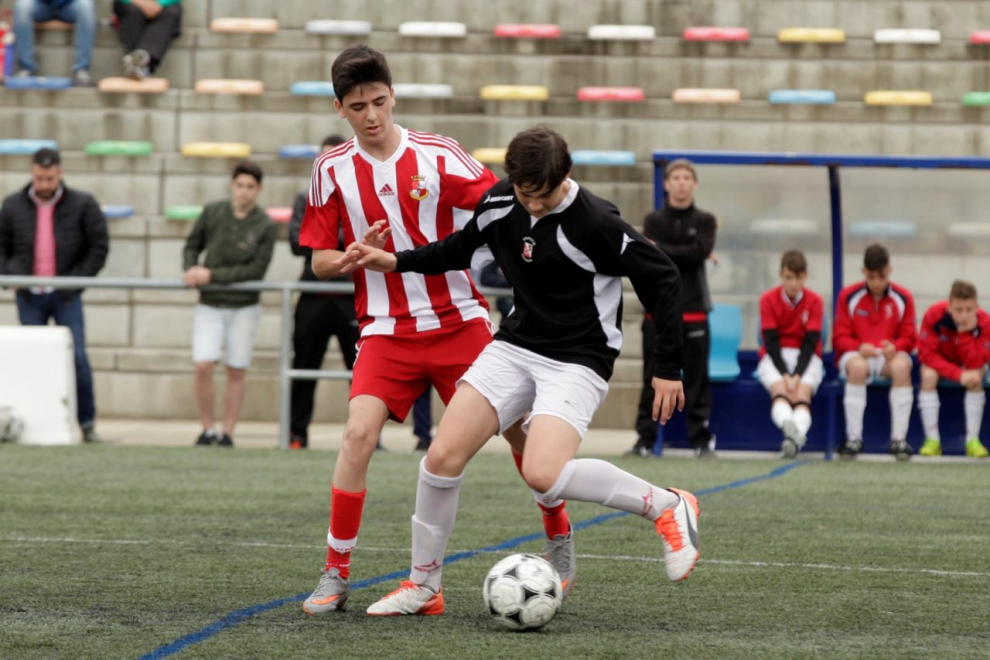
522 592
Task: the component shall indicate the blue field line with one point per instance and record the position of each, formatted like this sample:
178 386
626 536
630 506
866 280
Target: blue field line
237 616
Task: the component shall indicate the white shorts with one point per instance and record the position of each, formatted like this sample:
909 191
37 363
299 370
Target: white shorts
516 381
875 365
768 375
215 328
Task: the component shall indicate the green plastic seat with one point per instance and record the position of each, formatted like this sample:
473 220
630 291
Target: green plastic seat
119 148
976 98
183 212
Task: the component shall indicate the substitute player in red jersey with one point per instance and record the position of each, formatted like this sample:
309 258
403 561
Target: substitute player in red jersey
954 344
790 364
415 330
874 337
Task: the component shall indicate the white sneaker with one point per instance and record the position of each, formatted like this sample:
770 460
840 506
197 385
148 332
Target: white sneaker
409 598
678 528
793 439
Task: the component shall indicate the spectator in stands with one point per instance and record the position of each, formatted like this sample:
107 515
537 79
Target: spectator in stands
954 344
874 336
790 367
147 28
48 229
80 12
686 234
238 237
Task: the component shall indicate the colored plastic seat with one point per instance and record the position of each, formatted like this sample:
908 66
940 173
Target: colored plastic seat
897 97
306 151
907 37
312 88
695 95
183 212
969 230
217 149
527 31
622 32
784 227
626 94
803 35
25 147
116 85
515 93
338 27
802 97
117 211
716 34
54 25
37 82
976 98
610 158
245 25
725 323
279 213
980 37
230 86
423 91
893 229
434 29
489 155
119 148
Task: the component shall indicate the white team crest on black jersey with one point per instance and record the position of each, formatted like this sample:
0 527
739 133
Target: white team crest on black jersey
527 249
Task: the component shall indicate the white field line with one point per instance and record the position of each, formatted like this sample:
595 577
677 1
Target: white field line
29 540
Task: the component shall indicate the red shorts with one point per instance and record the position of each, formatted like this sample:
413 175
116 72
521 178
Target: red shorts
397 368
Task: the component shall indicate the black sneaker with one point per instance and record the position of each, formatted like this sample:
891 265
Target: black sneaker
423 444
900 449
206 439
640 450
298 442
225 441
706 450
90 436
850 448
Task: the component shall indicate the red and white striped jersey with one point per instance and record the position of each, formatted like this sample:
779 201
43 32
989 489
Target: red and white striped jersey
426 190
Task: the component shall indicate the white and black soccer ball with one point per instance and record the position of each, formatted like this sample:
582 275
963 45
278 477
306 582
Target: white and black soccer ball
522 592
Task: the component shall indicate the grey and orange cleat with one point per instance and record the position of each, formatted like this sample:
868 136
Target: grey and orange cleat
559 551
793 439
409 598
678 528
330 595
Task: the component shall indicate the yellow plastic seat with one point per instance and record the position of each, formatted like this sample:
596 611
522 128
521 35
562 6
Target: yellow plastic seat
515 93
803 35
117 85
704 95
230 86
245 25
489 155
897 97
217 149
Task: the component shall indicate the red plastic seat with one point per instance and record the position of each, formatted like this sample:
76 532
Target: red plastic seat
716 34
630 94
279 213
980 37
527 31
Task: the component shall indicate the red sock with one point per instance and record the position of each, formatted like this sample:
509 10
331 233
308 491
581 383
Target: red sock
345 519
555 520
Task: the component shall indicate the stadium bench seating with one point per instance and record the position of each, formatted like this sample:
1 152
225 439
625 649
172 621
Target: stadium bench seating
311 88
526 31
433 29
784 227
305 151
183 212
216 149
230 86
607 158
279 213
245 25
907 37
980 37
338 27
898 97
37 82
725 323
622 33
515 93
117 211
423 91
878 228
802 97
119 148
118 85
489 155
25 147
715 34
976 98
803 35
697 95
623 94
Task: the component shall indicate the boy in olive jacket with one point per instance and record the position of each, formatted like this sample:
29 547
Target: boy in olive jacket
238 238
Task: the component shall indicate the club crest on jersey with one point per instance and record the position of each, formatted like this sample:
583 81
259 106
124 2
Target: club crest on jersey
419 191
527 249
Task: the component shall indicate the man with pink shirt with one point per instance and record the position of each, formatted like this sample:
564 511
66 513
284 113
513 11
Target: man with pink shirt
46 230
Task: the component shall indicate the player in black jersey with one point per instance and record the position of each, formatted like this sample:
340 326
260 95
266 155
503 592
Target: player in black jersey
564 251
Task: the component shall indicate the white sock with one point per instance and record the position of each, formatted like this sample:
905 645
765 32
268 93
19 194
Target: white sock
802 419
928 404
593 480
973 404
854 403
780 412
901 400
436 511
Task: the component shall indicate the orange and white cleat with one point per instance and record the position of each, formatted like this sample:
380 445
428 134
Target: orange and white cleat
678 529
409 598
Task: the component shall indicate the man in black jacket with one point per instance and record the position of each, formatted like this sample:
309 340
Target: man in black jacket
48 229
686 234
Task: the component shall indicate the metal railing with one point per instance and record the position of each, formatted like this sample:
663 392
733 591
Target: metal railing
286 373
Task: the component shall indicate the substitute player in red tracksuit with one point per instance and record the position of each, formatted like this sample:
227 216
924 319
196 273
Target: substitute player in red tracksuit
874 336
954 344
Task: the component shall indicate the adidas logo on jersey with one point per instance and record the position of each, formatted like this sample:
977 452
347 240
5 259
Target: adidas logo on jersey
386 191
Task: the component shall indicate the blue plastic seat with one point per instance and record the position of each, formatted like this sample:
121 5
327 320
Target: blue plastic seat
112 211
725 322
37 82
312 88
802 97
25 147
612 158
873 228
307 151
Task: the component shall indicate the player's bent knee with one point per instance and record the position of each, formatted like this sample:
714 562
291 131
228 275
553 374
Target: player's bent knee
929 378
359 439
444 461
204 368
539 477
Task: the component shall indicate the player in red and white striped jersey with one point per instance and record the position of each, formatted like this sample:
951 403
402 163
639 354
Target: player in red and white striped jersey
405 189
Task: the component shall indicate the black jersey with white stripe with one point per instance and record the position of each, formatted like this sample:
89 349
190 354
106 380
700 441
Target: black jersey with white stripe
565 270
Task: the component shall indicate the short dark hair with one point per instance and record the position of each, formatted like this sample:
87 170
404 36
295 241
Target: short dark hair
794 261
46 158
250 168
537 158
962 290
679 164
332 140
356 66
876 258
